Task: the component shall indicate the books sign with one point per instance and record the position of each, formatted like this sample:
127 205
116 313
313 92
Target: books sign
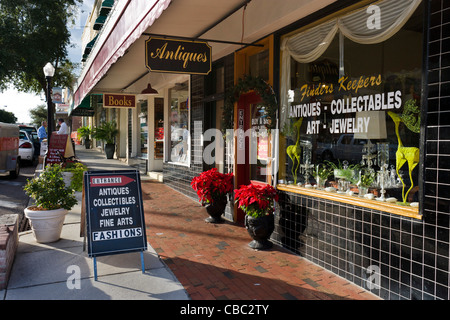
113 100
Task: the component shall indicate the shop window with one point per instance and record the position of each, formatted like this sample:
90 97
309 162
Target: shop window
179 145
159 129
143 126
351 101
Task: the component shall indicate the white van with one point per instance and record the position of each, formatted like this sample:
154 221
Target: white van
9 149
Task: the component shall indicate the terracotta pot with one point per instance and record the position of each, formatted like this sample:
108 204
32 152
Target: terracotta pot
260 229
46 224
216 210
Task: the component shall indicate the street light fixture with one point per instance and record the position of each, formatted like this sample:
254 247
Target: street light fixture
49 72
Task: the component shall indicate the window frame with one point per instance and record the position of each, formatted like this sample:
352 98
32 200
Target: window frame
412 212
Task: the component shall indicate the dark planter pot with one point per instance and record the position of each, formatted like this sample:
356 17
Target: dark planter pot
87 143
109 150
260 229
216 210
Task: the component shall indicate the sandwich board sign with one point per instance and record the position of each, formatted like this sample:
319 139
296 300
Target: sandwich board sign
114 213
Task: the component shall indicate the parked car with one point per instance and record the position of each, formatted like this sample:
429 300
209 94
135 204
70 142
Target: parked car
26 146
32 131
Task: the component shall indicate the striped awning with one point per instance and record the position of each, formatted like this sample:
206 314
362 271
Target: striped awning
99 22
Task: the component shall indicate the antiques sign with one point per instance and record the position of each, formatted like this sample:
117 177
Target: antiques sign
111 100
115 215
177 56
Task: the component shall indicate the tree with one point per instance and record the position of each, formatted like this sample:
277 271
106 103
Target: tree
32 33
38 115
7 117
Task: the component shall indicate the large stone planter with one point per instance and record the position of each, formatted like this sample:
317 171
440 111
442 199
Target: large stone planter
109 150
260 229
46 224
216 210
67 177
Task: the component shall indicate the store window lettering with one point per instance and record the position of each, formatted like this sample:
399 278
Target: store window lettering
351 112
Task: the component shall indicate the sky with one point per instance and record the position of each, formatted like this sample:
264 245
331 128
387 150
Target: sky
20 103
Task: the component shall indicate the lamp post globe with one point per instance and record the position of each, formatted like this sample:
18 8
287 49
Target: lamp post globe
49 72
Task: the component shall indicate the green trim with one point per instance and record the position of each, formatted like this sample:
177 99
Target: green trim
244 85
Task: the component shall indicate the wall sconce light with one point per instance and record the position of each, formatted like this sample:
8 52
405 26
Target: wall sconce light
149 90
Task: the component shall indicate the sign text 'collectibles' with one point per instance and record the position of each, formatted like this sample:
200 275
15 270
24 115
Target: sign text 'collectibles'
178 56
115 218
116 100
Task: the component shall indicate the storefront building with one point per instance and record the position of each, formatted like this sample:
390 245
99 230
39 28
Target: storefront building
357 145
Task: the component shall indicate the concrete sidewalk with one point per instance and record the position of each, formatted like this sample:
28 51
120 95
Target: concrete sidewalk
63 271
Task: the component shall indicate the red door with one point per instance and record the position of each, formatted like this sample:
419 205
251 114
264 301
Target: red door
242 144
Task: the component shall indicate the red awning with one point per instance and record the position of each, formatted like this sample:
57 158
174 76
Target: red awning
130 20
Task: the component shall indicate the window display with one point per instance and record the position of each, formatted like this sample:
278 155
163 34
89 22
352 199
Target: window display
179 124
351 105
159 128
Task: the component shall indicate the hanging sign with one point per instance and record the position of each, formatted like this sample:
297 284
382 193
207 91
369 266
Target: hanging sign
116 100
177 56
114 212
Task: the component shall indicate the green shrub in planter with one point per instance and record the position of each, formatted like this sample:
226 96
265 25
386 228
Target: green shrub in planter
49 191
77 179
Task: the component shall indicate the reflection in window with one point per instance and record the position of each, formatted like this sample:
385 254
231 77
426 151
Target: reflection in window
179 124
357 106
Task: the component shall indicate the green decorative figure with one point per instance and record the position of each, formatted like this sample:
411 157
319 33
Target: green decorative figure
295 151
406 154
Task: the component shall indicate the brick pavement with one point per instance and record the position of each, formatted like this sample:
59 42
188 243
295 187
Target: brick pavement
214 262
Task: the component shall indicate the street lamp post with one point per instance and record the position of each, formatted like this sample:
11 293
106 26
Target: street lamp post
49 72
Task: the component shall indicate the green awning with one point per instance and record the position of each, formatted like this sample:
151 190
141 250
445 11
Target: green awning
84 109
106 7
89 46
99 22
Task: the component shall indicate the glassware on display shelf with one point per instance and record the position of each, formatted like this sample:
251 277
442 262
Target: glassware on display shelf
321 175
346 175
365 181
306 170
383 179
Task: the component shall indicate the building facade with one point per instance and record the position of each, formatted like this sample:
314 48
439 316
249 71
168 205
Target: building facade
357 145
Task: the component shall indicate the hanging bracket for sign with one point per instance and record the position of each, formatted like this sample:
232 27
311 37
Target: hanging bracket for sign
206 40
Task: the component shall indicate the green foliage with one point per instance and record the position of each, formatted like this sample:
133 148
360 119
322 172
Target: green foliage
49 191
7 117
32 33
106 131
324 171
367 177
85 132
244 85
38 115
77 180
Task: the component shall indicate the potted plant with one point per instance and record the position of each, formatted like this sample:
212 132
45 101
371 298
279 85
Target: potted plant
257 202
323 171
85 132
73 175
366 178
212 188
52 202
107 132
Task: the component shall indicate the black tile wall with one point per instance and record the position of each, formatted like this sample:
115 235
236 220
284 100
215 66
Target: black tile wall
412 256
180 177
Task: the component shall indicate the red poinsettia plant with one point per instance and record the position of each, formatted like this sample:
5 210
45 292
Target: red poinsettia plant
256 200
212 185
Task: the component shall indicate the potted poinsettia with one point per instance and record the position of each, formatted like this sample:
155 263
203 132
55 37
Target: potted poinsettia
212 188
53 199
257 202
